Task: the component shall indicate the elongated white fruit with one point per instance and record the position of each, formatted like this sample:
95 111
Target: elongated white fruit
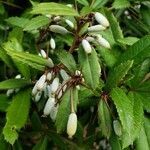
64 74
49 76
58 29
90 39
48 106
86 46
96 28
43 53
72 125
40 82
69 23
18 76
50 63
101 19
53 112
9 92
103 42
52 43
38 96
55 85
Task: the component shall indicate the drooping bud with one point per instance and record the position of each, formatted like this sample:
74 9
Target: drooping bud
9 92
101 19
64 74
52 43
58 29
78 72
34 90
69 23
57 18
18 76
48 106
90 39
55 85
96 28
49 76
53 112
40 82
45 90
72 125
43 53
69 5
50 63
38 96
103 42
86 46
49 90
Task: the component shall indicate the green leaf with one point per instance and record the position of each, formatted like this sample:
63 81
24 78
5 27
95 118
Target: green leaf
142 142
53 9
63 112
68 60
114 25
36 23
4 102
18 21
17 115
118 4
41 145
14 83
83 2
104 118
3 144
98 4
108 56
145 10
138 51
90 67
147 128
117 74
128 40
125 112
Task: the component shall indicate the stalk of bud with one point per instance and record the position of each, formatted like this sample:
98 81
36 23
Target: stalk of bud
58 29
48 106
40 82
96 28
101 19
43 54
69 23
72 124
103 42
38 96
86 46
52 43
55 85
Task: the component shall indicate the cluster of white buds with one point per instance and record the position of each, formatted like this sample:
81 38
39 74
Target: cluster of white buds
11 91
93 33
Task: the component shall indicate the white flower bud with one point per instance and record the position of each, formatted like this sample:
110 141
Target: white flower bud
86 46
101 19
72 125
52 43
64 87
103 42
55 85
78 87
78 72
49 76
43 53
57 18
64 74
58 29
53 112
69 5
49 90
38 96
50 63
34 90
18 76
45 90
96 28
40 82
48 106
90 39
9 92
69 23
